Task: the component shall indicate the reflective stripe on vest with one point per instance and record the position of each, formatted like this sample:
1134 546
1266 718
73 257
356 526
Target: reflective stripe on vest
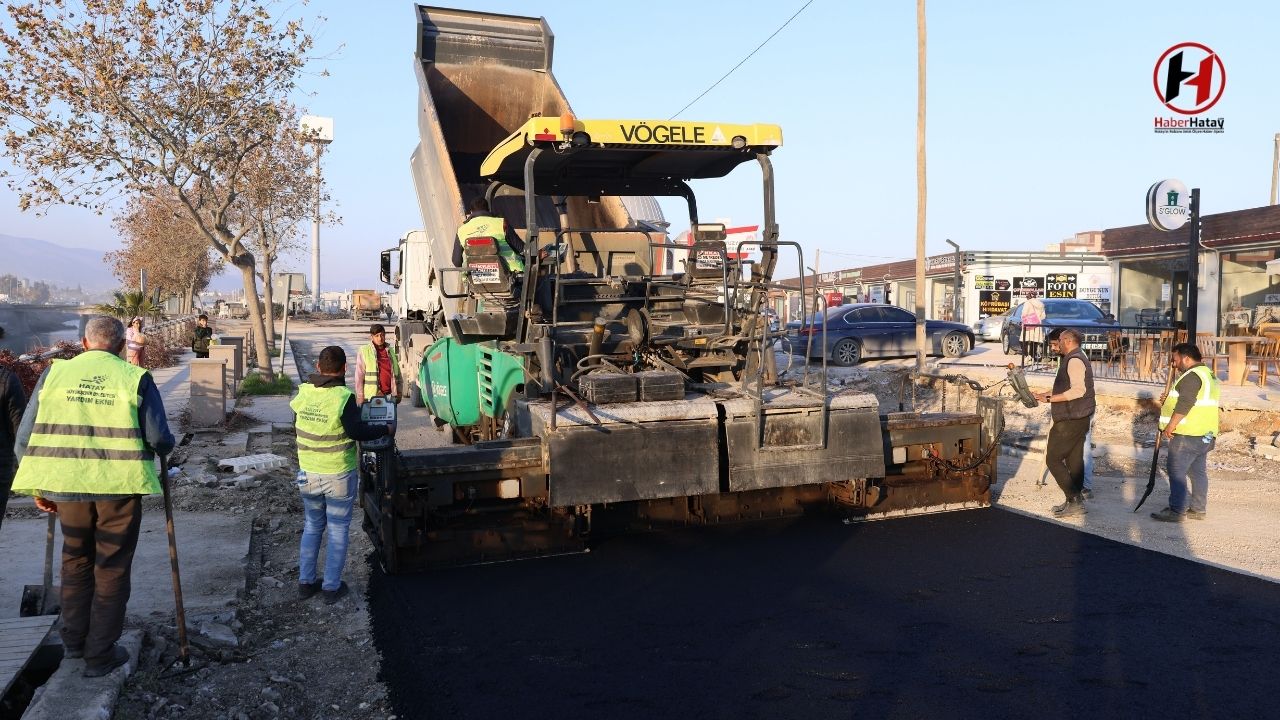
1203 417
323 446
370 379
487 226
86 438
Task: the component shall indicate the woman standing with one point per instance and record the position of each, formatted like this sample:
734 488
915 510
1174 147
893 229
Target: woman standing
135 342
1032 333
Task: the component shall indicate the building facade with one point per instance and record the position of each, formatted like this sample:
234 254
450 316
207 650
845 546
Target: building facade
1236 288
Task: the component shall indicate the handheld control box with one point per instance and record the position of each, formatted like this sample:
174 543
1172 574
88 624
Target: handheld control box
378 410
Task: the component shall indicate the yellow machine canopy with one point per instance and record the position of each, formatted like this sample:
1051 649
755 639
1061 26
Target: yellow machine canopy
624 157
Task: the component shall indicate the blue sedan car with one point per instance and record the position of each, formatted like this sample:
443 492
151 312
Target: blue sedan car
868 330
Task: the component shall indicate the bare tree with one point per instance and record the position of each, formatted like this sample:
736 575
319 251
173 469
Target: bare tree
177 259
117 97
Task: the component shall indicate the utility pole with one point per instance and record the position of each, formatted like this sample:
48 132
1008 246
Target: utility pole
1275 168
921 200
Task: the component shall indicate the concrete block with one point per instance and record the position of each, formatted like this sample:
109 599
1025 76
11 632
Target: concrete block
68 694
264 429
265 461
227 355
208 377
242 359
235 444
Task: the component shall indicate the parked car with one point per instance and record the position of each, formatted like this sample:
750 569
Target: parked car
988 328
867 330
1079 314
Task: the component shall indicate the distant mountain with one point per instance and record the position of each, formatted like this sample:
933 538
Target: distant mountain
55 264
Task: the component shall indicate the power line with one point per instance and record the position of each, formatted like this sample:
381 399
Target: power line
743 60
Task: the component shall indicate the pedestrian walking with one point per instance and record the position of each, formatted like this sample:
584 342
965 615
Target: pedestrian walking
13 401
328 426
86 450
377 367
1189 423
135 341
1072 405
201 336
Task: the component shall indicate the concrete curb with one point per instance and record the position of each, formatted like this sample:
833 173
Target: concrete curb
68 695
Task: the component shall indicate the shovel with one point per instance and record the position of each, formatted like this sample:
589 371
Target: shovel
184 650
43 599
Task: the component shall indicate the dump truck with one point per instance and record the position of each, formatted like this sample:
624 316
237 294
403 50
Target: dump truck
366 305
583 392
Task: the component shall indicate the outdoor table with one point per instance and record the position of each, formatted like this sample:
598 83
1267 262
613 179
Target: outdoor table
1237 349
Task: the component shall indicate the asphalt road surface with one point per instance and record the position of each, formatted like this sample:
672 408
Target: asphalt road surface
977 614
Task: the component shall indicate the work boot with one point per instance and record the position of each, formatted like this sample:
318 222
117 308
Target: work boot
1195 514
1069 508
99 667
306 590
73 653
1167 515
333 596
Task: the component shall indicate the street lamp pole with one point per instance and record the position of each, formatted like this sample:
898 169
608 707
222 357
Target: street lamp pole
1275 168
955 291
319 131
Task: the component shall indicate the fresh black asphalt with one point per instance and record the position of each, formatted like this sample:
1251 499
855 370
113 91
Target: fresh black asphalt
977 614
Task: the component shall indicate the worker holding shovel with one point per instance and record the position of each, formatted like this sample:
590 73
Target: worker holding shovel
86 450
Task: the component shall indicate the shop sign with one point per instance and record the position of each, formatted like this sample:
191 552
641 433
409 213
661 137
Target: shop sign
993 302
1102 293
1271 299
877 294
939 263
1002 284
984 282
835 299
1060 285
1028 286
851 274
1168 205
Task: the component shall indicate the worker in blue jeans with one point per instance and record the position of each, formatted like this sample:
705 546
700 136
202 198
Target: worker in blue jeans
328 425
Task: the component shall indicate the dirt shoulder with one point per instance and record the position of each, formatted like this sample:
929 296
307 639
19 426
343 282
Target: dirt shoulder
269 654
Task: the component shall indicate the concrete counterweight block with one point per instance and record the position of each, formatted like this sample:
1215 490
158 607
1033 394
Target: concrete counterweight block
208 392
242 359
226 354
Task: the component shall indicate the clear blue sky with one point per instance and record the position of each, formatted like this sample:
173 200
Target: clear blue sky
1040 116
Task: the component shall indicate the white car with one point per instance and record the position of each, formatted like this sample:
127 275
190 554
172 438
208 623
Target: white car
988 328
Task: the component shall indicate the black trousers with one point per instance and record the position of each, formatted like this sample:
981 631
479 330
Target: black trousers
98 540
6 482
1065 454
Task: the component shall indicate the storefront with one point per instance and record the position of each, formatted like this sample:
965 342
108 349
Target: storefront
1235 290
996 282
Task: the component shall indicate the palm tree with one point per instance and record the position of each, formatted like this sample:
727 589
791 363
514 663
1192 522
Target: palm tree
127 304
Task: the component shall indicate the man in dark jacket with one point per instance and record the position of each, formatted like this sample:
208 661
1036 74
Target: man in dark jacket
201 336
1072 405
13 401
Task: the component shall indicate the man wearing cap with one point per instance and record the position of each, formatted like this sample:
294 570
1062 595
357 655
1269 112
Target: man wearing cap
377 367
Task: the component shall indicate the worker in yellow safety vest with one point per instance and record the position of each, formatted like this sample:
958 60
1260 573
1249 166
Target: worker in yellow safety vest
1189 424
481 223
86 450
328 425
377 367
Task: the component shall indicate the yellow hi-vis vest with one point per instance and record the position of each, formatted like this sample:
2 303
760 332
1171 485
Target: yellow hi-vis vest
488 226
1203 418
323 446
370 379
87 437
